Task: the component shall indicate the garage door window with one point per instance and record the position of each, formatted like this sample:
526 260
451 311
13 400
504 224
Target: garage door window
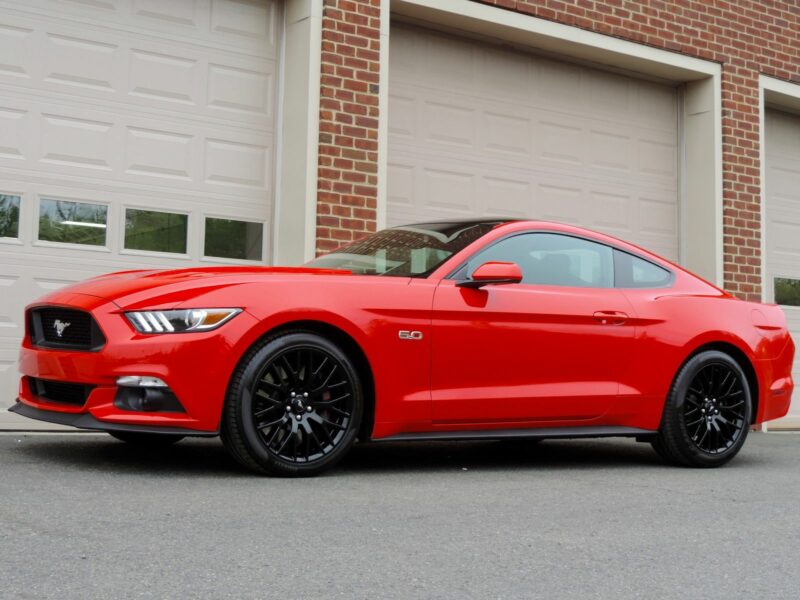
155 231
552 259
9 216
228 238
787 291
73 222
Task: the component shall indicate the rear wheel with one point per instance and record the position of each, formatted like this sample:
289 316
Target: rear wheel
294 406
146 439
707 414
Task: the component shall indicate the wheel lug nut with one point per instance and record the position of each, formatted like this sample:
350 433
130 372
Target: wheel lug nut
305 394
293 394
309 409
298 417
288 408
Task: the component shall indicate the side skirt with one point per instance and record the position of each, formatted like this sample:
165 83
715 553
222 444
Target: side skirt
504 434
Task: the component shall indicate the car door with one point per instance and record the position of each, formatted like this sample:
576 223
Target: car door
548 350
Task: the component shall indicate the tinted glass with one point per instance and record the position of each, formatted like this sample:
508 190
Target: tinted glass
634 272
787 291
9 216
410 251
227 238
552 259
72 222
155 231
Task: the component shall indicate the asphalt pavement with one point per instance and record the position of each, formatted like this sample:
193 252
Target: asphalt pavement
85 516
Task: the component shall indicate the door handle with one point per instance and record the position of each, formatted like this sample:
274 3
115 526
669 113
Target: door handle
610 317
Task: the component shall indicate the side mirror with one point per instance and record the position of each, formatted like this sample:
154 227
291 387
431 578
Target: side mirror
493 272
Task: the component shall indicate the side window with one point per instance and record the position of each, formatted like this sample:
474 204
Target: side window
634 272
553 259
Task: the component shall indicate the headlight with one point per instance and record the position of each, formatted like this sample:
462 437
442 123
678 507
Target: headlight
180 321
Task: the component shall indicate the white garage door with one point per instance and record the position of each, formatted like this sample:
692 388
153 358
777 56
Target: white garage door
133 133
476 129
782 235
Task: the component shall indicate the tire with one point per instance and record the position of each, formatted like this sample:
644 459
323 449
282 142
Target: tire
294 406
707 413
153 440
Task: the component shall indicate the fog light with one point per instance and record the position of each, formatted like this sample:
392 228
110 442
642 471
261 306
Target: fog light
140 381
147 394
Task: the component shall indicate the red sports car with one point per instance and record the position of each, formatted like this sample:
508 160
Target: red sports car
483 329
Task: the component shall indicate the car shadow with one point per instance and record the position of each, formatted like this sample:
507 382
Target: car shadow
499 455
207 457
99 452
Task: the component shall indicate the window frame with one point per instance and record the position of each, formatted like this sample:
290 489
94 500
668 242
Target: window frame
17 240
123 250
456 275
774 289
234 261
37 216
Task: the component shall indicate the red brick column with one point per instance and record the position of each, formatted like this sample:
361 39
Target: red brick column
348 139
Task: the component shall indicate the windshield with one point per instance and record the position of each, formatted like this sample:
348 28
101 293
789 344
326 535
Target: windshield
408 251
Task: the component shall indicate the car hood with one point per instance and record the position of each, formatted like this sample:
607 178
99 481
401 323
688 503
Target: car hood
171 287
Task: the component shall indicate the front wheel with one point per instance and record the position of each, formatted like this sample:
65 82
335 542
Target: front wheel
294 406
707 413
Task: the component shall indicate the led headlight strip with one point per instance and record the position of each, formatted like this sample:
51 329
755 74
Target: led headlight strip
180 321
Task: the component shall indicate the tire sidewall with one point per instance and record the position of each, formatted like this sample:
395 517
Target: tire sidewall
243 403
679 392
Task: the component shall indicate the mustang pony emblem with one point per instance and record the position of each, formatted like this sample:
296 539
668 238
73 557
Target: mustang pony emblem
60 326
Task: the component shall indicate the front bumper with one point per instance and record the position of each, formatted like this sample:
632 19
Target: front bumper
196 366
87 421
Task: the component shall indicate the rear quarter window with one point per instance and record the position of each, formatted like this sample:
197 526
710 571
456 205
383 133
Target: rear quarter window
633 272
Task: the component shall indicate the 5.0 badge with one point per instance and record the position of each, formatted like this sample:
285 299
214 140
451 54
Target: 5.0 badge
406 334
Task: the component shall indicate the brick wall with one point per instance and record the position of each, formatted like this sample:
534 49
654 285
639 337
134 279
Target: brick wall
747 38
348 139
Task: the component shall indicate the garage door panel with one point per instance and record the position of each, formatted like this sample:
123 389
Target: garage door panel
245 25
447 123
782 223
508 197
124 147
77 61
605 93
533 140
571 139
507 134
144 72
786 183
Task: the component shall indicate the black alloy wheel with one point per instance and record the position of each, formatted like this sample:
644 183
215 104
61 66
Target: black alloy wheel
714 410
294 406
707 414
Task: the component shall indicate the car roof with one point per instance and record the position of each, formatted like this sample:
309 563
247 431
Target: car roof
451 226
462 222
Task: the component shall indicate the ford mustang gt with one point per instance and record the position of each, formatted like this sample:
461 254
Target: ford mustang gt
485 329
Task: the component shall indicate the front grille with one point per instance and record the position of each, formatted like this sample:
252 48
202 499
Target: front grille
62 392
67 328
